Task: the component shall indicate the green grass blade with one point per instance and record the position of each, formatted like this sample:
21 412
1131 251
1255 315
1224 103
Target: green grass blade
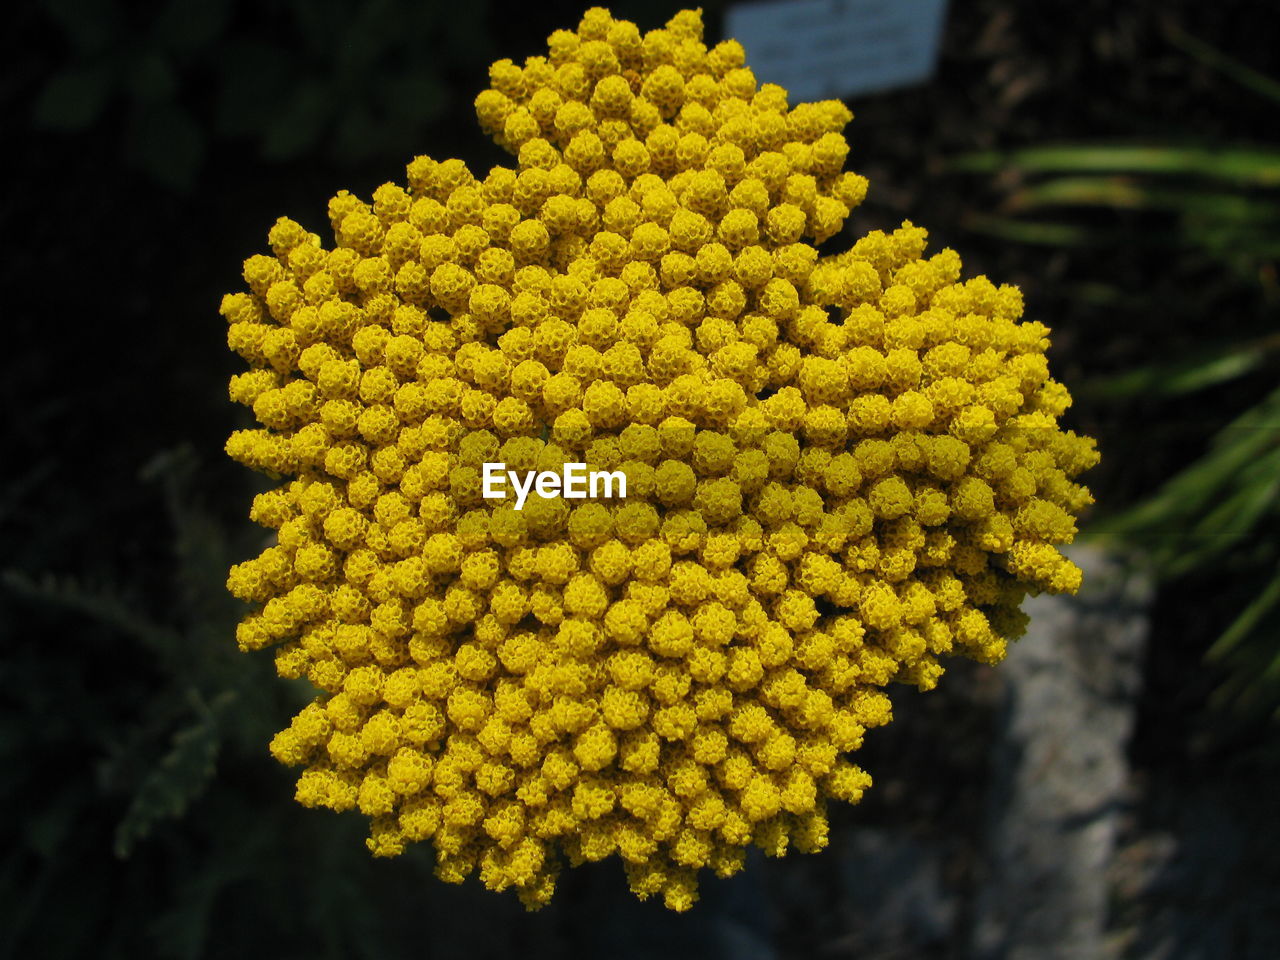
1225 64
1233 449
1185 376
1234 517
1122 192
1038 232
1251 166
1248 619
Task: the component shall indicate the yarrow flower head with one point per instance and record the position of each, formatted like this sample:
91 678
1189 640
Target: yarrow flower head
839 470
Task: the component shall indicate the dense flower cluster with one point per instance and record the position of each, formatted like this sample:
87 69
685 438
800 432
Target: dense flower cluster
839 469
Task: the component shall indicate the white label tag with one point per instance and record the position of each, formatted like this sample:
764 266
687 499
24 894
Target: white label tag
823 49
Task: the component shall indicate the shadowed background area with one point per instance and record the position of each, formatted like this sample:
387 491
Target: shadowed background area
1119 162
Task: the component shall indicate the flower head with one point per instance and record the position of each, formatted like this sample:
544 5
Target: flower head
839 470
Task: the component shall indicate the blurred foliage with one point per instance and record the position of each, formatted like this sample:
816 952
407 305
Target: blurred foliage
1224 202
292 77
1222 514
134 712
1217 519
194 700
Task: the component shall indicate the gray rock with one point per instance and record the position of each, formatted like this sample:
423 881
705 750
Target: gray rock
1060 770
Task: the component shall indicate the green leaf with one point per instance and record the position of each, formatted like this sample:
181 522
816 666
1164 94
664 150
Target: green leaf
1225 64
1248 620
91 25
1243 165
357 136
1125 193
1212 367
300 123
412 100
201 553
1234 447
1234 517
167 143
369 31
173 784
47 830
249 97
1037 232
181 927
104 604
151 78
468 36
1252 688
318 24
74 98
187 26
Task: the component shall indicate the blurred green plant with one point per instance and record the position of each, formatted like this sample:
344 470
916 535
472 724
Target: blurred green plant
167 758
1223 200
342 80
1222 514
1216 518
135 702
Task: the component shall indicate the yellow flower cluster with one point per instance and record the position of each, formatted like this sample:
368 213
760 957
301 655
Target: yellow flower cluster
838 470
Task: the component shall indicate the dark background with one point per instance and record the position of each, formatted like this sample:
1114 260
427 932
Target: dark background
151 145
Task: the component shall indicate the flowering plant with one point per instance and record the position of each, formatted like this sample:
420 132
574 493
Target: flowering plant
838 470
